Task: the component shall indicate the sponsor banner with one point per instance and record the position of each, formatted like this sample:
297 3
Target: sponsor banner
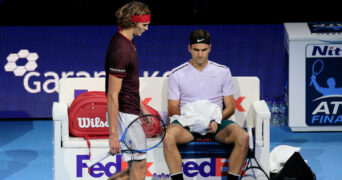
34 59
324 85
200 168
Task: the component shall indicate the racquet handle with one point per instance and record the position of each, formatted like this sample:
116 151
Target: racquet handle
98 159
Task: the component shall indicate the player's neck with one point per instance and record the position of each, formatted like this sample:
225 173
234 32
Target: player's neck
198 66
128 33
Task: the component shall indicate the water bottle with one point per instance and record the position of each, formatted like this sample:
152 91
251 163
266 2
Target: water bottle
282 112
268 102
286 101
274 112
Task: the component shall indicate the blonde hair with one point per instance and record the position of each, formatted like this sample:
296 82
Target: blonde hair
126 12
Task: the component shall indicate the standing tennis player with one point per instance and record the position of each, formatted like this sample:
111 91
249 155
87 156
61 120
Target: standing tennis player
122 83
201 79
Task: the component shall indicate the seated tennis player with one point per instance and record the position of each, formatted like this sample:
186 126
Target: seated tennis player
201 79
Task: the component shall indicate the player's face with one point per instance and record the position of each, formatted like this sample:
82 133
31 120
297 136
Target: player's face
199 52
140 29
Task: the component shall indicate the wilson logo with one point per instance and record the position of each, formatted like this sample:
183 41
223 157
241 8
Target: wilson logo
96 122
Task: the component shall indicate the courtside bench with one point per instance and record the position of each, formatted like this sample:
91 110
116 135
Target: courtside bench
71 153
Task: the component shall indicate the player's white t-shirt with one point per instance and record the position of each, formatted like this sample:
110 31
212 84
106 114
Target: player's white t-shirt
187 84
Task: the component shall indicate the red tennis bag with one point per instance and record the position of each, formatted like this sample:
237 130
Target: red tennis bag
87 116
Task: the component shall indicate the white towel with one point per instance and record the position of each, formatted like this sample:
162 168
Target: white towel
198 114
279 155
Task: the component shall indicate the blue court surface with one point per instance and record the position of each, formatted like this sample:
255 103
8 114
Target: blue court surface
26 150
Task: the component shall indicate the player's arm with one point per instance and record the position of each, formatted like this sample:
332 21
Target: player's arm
114 87
316 85
229 106
173 107
173 96
143 110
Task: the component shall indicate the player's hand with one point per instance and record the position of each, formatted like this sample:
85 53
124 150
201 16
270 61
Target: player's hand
147 119
212 127
114 145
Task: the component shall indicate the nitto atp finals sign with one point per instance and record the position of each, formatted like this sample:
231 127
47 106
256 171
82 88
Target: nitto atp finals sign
324 85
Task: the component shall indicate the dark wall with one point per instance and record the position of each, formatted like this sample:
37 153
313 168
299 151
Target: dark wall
174 12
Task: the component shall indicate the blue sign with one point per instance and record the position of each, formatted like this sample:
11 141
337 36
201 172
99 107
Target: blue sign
324 85
34 59
321 27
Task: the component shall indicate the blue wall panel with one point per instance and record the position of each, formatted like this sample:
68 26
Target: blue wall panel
249 50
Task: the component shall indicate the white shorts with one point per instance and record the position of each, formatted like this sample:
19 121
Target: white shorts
136 136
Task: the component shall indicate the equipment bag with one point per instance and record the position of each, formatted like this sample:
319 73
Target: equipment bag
87 117
295 168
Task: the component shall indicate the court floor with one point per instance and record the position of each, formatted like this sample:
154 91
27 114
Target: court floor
26 150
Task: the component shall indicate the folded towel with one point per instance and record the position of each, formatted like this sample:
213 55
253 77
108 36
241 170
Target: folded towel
198 114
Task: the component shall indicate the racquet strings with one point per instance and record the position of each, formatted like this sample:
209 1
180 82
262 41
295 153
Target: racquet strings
152 126
317 67
135 137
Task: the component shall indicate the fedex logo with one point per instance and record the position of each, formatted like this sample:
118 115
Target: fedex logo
99 169
213 167
191 168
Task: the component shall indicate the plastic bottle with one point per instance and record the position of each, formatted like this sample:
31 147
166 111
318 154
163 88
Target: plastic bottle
282 111
274 112
286 102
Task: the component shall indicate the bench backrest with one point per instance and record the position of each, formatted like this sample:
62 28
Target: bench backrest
154 91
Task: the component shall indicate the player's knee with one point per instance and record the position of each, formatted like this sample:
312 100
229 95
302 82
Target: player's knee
169 140
245 140
242 141
139 166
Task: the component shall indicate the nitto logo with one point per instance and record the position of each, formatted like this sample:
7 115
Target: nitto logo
326 51
30 65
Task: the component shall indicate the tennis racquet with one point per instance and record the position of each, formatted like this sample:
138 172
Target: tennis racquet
317 68
251 171
134 137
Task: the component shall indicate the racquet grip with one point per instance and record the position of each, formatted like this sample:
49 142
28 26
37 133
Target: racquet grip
98 159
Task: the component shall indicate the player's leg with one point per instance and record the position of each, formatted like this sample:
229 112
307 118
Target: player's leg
234 134
175 134
122 175
136 161
137 169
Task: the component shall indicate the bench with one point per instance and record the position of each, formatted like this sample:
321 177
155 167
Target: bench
71 153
